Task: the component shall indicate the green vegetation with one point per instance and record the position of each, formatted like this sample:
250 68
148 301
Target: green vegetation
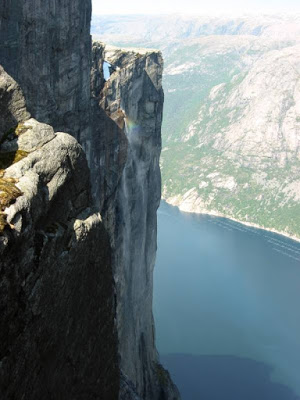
263 203
11 157
162 375
189 157
8 194
15 132
194 117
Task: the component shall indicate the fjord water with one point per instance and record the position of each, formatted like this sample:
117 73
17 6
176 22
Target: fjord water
227 308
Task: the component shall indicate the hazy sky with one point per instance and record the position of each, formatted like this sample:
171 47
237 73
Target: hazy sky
195 7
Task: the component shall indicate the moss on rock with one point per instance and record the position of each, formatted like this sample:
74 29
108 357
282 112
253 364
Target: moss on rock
15 132
162 375
9 192
11 157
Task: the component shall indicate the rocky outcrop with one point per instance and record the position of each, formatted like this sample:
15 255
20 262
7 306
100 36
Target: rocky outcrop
118 125
13 109
57 331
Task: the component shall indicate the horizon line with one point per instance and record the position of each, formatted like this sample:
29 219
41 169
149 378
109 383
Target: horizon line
294 15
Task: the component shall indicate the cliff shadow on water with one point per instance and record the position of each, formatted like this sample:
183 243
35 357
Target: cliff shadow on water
229 292
224 378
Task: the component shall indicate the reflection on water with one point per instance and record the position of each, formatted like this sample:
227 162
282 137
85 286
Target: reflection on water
224 289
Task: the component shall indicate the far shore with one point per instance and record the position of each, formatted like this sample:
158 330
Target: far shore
218 214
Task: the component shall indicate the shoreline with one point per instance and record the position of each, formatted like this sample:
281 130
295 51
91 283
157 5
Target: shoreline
250 224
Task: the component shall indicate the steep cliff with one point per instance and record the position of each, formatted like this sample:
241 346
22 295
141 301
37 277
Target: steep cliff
57 331
133 98
46 47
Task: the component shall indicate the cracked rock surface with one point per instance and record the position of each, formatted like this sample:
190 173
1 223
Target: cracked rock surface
57 335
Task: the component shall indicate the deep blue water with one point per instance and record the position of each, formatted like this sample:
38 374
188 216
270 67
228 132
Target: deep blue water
227 308
224 378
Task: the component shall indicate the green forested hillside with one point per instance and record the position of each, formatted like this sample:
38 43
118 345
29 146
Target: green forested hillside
231 129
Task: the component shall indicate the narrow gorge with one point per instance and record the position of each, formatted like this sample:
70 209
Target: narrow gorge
79 190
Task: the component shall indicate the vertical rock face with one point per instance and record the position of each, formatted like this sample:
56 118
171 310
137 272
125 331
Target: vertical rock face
133 98
46 47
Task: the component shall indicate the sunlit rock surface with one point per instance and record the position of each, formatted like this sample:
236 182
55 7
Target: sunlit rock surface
13 109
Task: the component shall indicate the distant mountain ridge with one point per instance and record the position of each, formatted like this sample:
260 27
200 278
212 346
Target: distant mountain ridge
159 28
231 129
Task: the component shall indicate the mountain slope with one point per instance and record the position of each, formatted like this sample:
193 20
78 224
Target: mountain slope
231 129
240 155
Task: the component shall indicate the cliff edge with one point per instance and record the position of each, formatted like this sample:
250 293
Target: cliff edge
77 286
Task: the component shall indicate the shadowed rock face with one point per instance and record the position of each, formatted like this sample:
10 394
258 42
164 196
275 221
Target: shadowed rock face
57 333
118 125
133 98
45 47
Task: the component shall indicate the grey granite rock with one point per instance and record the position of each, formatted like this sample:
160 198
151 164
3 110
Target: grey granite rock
57 330
127 389
31 135
46 47
12 102
133 98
